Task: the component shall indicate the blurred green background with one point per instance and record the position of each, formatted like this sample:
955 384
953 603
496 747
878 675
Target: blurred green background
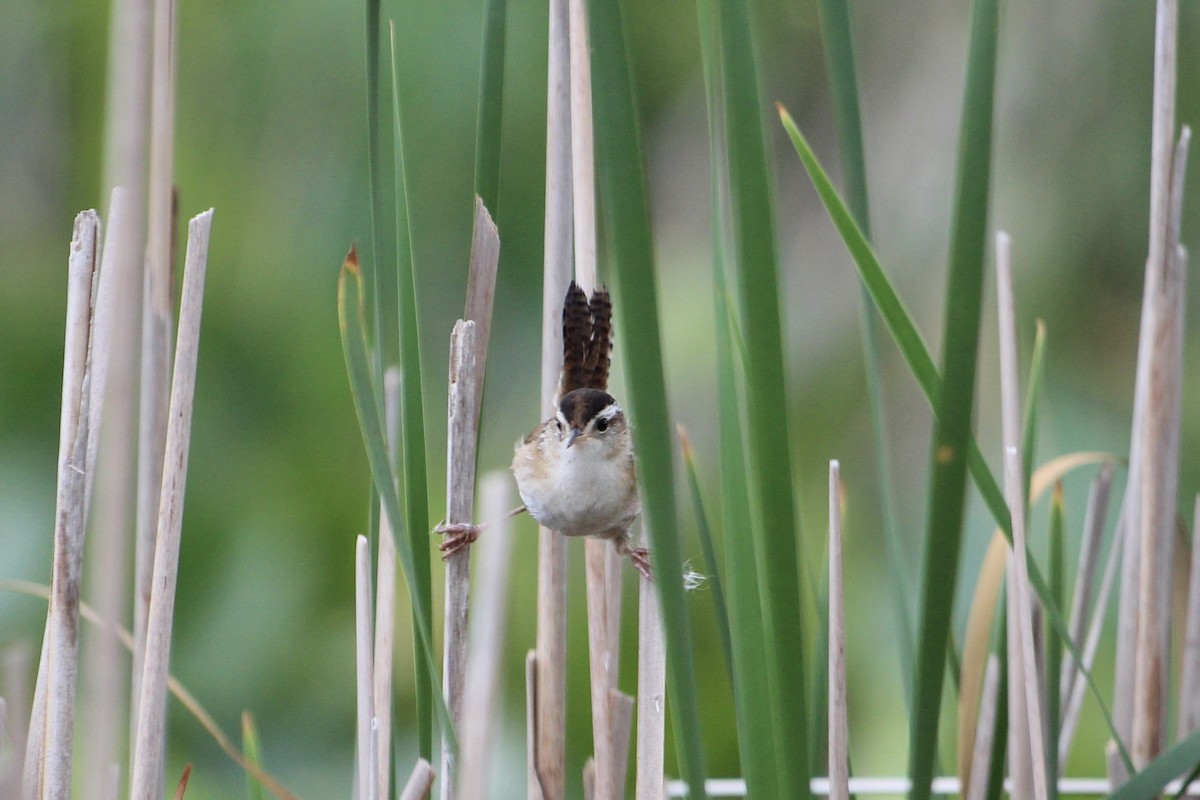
271 131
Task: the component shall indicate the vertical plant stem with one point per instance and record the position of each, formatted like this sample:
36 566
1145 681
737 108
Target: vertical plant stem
157 326
773 523
839 735
838 40
651 696
1189 681
468 357
1074 701
104 702
1085 573
953 409
551 660
385 601
70 513
419 782
985 731
626 208
465 372
490 111
488 625
414 478
364 677
147 777
1014 482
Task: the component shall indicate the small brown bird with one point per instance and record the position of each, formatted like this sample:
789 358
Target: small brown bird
575 472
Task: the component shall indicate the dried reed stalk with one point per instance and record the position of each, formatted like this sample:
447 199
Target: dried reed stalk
156 333
15 691
147 775
366 731
603 591
486 634
1014 485
460 492
468 357
105 706
385 602
985 730
549 725
104 699
1074 702
60 656
1160 432
1140 669
1085 574
839 734
651 695
1189 681
419 782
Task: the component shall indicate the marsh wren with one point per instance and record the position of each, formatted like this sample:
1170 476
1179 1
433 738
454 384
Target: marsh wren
575 472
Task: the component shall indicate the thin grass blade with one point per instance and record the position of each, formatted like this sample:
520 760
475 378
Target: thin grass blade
623 192
751 700
916 355
250 751
755 283
712 565
352 323
490 109
414 477
837 36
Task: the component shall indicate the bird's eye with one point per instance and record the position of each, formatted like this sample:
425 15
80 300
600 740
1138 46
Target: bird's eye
601 425
558 423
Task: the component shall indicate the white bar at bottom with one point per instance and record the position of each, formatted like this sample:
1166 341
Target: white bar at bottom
736 787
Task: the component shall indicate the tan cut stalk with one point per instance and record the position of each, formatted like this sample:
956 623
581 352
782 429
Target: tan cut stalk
468 357
366 732
385 603
156 332
651 694
149 751
60 656
550 716
1030 711
486 635
839 733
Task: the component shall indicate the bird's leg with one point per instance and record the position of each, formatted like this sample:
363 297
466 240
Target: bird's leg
459 535
640 556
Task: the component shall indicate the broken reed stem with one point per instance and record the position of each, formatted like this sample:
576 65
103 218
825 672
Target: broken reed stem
419 782
70 514
104 697
1015 491
486 635
385 602
651 695
549 724
468 357
1189 681
839 735
365 739
1085 574
1074 702
1137 654
148 759
156 332
985 730
460 492
1160 443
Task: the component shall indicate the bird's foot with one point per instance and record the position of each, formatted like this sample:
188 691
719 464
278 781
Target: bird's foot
459 536
640 557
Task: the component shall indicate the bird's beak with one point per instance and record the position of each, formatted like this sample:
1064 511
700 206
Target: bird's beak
573 435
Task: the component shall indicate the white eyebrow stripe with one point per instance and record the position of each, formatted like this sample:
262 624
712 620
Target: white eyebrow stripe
609 411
